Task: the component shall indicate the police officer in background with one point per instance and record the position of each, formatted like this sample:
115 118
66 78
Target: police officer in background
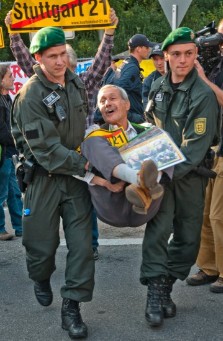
48 122
187 109
210 257
157 57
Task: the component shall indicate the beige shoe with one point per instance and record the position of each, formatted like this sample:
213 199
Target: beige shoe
148 180
6 236
217 286
138 198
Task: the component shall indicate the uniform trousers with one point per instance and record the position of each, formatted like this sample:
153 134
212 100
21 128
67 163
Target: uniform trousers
49 199
210 257
181 211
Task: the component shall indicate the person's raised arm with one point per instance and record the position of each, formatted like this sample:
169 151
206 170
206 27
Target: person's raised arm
102 60
20 51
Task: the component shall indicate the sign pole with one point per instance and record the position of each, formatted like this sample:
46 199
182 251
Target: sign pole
175 10
174 17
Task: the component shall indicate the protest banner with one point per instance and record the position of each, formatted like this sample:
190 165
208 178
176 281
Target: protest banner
20 77
78 15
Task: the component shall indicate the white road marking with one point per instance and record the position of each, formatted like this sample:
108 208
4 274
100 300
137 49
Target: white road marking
115 241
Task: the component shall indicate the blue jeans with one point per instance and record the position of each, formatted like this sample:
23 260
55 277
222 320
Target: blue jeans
10 192
95 233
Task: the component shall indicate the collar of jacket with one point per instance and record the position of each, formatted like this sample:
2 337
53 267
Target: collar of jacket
132 59
69 76
138 127
184 86
154 75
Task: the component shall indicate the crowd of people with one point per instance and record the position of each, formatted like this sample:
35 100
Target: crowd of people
48 121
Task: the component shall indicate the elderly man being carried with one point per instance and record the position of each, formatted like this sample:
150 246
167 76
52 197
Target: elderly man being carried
136 199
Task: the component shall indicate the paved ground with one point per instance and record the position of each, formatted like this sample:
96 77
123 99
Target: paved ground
116 312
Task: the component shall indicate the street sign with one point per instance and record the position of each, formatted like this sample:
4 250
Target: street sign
175 10
30 16
1 39
68 35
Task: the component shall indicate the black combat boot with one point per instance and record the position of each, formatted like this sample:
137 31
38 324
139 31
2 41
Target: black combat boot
169 307
43 292
154 307
72 320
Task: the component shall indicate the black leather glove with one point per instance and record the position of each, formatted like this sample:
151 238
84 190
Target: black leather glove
208 173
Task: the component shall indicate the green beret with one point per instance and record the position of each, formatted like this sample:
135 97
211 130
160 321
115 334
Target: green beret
47 37
181 35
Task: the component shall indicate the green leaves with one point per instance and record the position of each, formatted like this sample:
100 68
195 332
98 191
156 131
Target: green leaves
135 16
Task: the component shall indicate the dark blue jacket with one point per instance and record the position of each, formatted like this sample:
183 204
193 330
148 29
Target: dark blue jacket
129 77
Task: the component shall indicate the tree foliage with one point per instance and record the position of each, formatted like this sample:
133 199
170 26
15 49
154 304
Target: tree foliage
135 16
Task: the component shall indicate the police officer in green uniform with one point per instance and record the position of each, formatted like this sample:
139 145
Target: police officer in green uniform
48 122
187 109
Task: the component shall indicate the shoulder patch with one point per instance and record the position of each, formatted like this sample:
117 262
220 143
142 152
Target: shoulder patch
32 134
200 126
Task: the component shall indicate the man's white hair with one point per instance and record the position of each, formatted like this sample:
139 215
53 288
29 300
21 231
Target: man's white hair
122 91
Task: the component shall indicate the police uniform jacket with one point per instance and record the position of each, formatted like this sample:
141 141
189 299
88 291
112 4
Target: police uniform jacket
189 114
45 139
146 87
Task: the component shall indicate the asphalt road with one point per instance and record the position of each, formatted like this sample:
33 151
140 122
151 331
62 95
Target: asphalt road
116 312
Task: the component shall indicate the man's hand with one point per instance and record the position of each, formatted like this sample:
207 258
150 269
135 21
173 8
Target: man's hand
218 91
200 70
8 19
114 21
116 188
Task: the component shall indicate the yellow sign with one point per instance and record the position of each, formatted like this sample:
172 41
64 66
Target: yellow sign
200 126
117 137
147 66
1 39
78 15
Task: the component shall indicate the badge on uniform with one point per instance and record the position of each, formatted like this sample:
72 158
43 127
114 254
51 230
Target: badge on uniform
51 99
159 97
200 126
